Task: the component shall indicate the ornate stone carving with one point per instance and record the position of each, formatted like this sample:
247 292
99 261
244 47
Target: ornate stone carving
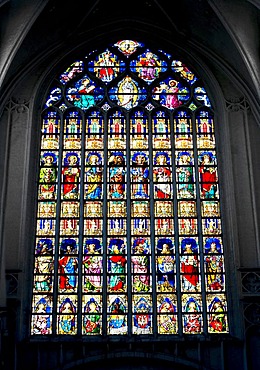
236 104
251 282
252 314
11 284
18 105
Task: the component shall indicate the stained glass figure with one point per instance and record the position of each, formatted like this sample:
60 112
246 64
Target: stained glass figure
128 47
67 308
128 93
184 71
140 175
48 176
42 319
44 246
117 304
167 318
161 131
71 173
140 268
185 176
72 131
142 319
94 175
116 226
117 175
162 175
106 66
72 71
192 319
51 124
165 264
68 266
84 93
148 66
217 317
208 175
189 265
50 131
117 129
117 318
214 265
205 130
211 226
139 131
171 93
129 231
94 131
117 266
183 131
92 318
44 266
92 266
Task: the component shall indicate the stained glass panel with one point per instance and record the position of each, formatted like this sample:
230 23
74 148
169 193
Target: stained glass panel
129 232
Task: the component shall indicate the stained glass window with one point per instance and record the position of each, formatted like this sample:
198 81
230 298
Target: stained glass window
128 232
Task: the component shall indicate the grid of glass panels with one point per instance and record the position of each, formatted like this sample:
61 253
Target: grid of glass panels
128 231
